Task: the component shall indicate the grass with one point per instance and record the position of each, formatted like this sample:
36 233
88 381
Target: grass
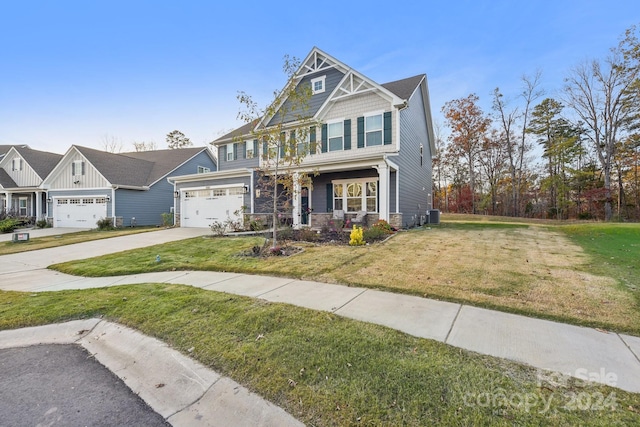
327 370
67 239
537 269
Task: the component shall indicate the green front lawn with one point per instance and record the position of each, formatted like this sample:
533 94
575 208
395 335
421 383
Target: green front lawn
582 274
329 371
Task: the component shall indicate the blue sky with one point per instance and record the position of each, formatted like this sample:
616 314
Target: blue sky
75 72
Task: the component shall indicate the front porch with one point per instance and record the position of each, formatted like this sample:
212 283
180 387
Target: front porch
23 203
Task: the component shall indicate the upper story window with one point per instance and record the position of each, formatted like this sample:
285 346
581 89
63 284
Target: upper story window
304 145
230 156
248 150
203 169
335 135
16 164
317 84
373 130
77 168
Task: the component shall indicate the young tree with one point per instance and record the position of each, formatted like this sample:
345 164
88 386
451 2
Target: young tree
604 95
287 133
468 129
176 139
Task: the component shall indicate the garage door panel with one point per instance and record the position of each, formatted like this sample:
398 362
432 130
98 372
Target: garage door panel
201 208
81 212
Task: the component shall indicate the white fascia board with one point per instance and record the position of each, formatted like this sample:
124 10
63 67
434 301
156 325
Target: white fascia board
232 173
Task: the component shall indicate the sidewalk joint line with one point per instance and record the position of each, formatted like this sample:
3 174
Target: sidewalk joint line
275 289
343 305
630 349
452 324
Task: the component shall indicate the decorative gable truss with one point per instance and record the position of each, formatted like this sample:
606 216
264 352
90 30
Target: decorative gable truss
316 62
352 85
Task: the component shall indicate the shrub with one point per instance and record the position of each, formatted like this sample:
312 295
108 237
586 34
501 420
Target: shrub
307 235
42 223
7 225
356 238
105 224
167 219
383 225
285 233
256 225
218 228
374 234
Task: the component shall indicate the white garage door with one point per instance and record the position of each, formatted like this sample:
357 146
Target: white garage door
202 207
80 212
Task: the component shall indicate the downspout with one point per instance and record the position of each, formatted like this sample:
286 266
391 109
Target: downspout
113 203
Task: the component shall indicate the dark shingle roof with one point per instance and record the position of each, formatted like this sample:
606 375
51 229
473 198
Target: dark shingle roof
404 88
165 161
41 162
5 180
242 130
137 169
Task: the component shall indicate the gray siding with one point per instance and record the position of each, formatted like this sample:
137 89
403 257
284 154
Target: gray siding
414 178
333 78
241 162
148 206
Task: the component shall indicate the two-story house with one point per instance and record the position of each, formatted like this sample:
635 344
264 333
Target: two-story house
22 172
371 151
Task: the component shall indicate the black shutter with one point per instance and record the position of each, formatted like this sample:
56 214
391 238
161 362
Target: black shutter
387 128
347 134
292 144
323 138
82 168
283 141
360 132
255 148
312 140
265 148
329 197
235 151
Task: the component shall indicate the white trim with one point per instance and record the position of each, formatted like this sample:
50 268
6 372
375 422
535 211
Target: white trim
313 84
226 154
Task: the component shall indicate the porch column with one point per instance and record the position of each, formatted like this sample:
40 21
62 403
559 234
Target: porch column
296 200
383 189
38 195
9 204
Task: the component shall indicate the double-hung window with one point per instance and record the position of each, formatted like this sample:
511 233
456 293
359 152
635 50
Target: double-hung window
248 150
230 157
77 168
373 130
335 135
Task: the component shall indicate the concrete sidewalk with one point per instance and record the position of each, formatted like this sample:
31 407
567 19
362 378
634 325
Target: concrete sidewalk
553 346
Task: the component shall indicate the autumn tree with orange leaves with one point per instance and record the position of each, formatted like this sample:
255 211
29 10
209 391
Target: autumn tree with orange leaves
469 126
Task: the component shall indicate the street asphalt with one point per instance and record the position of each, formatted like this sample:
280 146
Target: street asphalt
601 356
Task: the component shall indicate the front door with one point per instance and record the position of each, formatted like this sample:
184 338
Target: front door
304 206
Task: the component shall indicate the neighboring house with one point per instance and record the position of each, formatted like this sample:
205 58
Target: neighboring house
22 171
374 153
87 185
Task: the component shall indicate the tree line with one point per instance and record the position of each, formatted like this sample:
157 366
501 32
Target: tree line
575 157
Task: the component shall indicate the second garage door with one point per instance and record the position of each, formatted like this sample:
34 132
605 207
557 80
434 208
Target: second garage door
79 212
203 207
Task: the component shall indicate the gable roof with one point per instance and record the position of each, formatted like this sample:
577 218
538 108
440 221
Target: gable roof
5 180
317 62
42 162
404 88
137 169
